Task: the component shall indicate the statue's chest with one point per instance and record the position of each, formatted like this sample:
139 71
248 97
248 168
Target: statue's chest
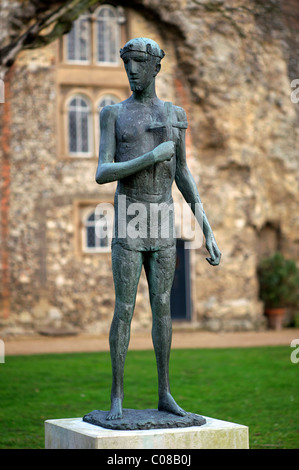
135 127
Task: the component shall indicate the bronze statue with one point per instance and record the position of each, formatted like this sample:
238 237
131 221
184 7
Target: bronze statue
143 148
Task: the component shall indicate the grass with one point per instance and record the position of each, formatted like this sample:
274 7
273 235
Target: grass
257 387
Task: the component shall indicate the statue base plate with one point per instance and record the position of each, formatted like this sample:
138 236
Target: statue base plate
144 419
74 433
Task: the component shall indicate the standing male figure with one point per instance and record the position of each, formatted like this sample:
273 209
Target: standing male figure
143 148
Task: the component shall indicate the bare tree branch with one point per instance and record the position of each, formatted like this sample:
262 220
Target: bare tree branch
60 19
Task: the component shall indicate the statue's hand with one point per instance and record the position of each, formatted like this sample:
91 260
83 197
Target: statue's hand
213 249
164 151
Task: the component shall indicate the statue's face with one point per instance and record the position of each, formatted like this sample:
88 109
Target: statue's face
141 69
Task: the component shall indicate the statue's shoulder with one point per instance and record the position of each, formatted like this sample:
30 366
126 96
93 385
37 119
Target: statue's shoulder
109 114
110 110
113 110
180 112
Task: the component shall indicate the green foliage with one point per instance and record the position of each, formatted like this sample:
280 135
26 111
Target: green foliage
257 387
279 281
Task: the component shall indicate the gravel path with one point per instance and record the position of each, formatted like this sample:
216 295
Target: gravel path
195 339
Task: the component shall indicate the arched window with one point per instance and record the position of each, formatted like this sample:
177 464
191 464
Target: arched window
107 35
78 41
97 231
79 126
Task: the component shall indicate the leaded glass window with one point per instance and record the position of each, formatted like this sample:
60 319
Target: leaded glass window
79 126
107 35
78 41
96 228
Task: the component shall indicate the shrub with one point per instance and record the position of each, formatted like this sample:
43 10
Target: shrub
279 281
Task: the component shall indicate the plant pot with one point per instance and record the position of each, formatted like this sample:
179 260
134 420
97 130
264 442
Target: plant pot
275 317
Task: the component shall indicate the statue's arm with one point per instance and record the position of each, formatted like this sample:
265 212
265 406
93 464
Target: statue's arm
186 184
107 169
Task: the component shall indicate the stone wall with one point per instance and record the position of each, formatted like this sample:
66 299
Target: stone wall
231 74
235 68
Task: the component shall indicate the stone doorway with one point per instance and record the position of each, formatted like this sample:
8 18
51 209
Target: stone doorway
181 288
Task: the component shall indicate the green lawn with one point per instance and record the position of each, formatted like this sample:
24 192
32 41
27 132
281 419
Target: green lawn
257 387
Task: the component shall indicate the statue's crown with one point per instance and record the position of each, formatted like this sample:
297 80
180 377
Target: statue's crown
148 46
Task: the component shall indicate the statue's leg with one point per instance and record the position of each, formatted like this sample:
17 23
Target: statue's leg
160 268
126 266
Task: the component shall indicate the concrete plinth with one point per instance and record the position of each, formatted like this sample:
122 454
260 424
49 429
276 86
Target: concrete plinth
74 433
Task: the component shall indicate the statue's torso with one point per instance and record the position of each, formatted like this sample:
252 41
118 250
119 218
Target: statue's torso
133 139
151 187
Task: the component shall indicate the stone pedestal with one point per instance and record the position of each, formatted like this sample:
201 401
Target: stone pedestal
74 433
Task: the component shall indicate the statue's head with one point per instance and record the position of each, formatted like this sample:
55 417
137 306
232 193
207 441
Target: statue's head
141 57
144 45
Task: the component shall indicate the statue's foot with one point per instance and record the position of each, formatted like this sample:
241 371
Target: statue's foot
116 411
167 403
